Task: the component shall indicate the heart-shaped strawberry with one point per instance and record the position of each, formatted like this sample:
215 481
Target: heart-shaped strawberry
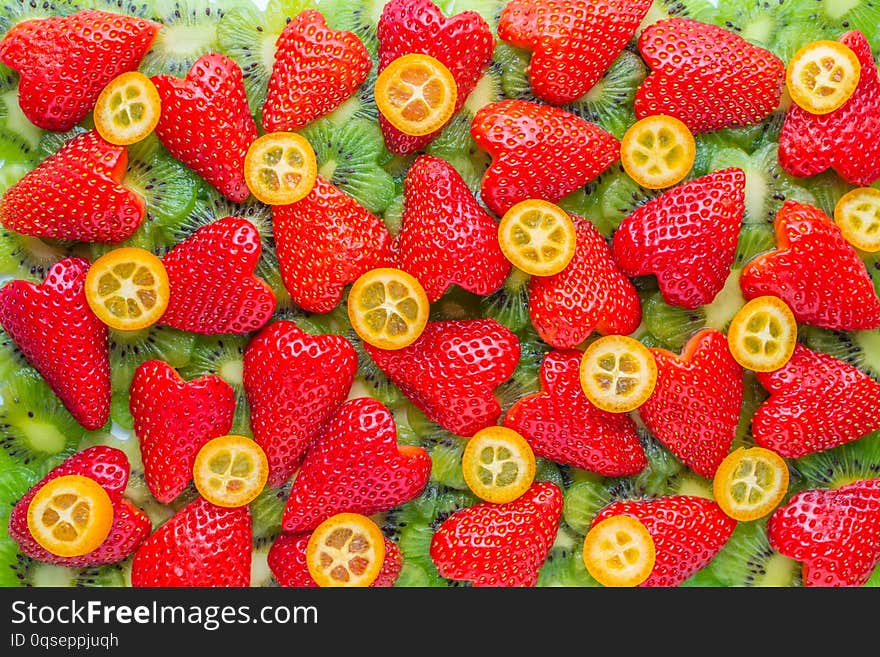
451 371
562 425
538 151
324 242
845 139
287 561
816 402
212 282
499 544
694 409
706 76
294 383
833 532
463 43
206 122
590 294
355 466
110 468
173 419
202 545
815 271
56 330
573 42
686 237
316 69
76 194
446 237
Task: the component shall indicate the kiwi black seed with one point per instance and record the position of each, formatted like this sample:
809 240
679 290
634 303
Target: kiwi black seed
189 31
13 12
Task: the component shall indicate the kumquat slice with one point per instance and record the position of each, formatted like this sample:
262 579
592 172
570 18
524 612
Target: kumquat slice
750 483
498 464
619 551
416 93
762 334
127 109
347 549
127 288
658 151
537 237
230 471
822 76
280 168
388 308
70 516
618 373
857 214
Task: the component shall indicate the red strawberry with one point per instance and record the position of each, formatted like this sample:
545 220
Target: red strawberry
76 194
499 544
201 545
211 276
688 531
538 151
845 139
110 468
294 383
355 466
694 409
562 425
815 271
686 237
573 42
316 69
446 237
707 77
590 294
287 561
206 123
816 402
173 419
324 242
62 338
463 43
833 532
451 371
65 61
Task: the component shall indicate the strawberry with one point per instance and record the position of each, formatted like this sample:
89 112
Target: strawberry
706 76
355 466
294 383
76 194
686 237
499 544
446 237
833 532
590 294
206 123
66 61
573 42
325 241
816 402
62 338
202 545
173 419
316 69
451 370
463 43
688 531
562 425
287 561
694 409
845 139
212 282
815 271
110 468
538 151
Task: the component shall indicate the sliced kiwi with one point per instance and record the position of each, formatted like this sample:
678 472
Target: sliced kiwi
14 483
13 12
413 426
17 157
748 560
210 206
859 348
372 381
509 305
836 467
128 349
267 510
261 574
663 9
584 499
832 18
35 429
12 119
13 364
490 10
455 145
137 8
189 31
673 326
350 157
757 21
564 565
754 394
609 199
827 188
39 574
446 457
525 379
29 258
10 559
358 16
659 477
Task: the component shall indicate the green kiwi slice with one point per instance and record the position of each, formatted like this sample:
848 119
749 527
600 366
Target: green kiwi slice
836 467
128 349
12 119
509 306
189 31
858 348
748 560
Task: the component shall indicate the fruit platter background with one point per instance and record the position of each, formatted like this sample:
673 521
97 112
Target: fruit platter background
38 433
